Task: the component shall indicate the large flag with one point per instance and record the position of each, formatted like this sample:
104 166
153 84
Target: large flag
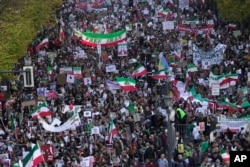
33 158
159 75
224 80
92 39
140 71
41 111
112 131
163 64
42 44
126 84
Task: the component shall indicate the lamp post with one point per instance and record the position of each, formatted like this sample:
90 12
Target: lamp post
170 128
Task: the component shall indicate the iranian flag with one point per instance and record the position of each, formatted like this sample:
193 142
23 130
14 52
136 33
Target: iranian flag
139 71
112 131
77 71
196 97
42 44
177 54
191 68
61 34
224 80
92 39
172 61
191 21
50 70
159 75
163 13
126 84
41 111
232 26
33 158
225 156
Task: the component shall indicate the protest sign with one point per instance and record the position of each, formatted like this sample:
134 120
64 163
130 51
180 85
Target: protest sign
215 56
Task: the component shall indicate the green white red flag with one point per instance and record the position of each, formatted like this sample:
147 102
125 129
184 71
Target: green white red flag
164 13
159 75
112 131
92 39
126 84
140 71
33 158
191 68
41 111
77 71
42 44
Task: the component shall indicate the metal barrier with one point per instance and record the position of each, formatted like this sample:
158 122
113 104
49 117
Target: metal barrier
184 132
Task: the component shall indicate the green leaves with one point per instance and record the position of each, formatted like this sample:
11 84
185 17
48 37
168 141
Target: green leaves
234 11
18 26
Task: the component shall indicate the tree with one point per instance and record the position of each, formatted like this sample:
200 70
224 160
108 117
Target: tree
234 10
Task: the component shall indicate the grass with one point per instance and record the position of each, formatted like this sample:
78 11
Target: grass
19 23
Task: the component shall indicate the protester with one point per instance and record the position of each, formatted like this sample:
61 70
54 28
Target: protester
119 123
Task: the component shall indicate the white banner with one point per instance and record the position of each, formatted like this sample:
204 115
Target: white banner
110 68
183 4
71 123
214 56
168 25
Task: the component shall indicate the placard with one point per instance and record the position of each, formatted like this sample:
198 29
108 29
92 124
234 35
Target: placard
87 114
215 89
95 130
48 152
168 25
29 103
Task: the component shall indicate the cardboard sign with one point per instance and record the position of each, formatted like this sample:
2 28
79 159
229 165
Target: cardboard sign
48 152
95 130
29 103
61 79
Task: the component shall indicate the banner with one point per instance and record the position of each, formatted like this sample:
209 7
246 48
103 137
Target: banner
48 152
66 70
122 49
110 39
93 4
73 121
110 68
183 4
214 56
182 27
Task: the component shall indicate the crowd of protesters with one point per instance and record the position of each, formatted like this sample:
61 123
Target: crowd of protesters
142 138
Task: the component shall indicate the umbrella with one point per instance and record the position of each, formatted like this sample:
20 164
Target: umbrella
245 104
132 61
